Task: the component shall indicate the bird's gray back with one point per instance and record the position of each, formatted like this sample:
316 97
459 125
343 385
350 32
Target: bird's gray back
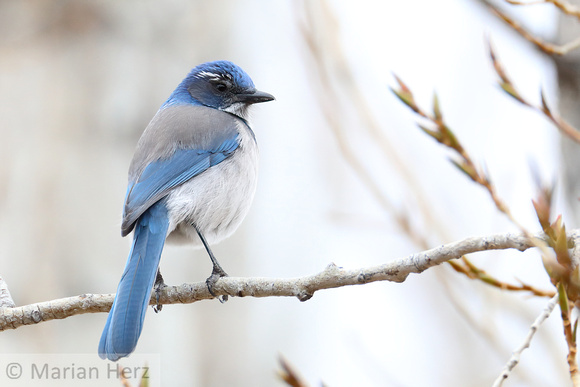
181 127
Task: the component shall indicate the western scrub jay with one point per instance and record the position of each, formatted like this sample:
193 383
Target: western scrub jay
192 178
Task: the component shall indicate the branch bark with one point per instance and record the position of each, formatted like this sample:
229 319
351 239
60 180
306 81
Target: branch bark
5 297
516 355
303 288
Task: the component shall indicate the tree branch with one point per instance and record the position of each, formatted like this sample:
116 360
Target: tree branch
5 297
515 358
303 288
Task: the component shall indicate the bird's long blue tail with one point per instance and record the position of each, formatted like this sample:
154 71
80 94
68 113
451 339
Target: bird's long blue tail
126 317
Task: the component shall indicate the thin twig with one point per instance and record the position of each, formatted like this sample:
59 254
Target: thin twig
507 85
303 288
517 2
564 6
569 333
548 48
516 355
473 272
289 375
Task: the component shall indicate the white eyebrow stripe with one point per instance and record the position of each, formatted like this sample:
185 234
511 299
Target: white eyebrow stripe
208 74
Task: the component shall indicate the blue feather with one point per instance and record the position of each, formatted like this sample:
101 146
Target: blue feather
125 320
160 176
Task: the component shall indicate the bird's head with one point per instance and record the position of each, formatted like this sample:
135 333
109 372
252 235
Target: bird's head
220 85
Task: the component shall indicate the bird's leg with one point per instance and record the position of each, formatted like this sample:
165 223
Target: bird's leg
217 271
158 286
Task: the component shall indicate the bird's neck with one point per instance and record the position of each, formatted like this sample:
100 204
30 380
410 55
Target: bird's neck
181 96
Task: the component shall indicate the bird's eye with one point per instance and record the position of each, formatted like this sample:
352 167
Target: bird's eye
221 87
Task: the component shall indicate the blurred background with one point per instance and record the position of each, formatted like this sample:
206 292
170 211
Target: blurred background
343 169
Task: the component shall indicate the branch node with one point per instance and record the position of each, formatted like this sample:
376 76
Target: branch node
36 316
304 296
363 278
332 268
396 275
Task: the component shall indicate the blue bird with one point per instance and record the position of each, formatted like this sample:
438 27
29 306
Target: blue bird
192 179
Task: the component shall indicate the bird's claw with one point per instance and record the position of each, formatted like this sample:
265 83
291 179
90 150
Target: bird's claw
158 287
216 274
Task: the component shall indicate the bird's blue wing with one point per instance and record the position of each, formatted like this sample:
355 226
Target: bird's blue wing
160 176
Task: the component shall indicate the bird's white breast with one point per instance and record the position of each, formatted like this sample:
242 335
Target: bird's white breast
218 199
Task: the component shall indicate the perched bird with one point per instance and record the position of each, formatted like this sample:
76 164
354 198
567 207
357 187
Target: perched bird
192 178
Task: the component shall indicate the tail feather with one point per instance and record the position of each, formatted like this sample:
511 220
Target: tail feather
125 320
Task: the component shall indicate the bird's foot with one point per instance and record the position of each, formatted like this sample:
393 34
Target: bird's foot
158 287
216 274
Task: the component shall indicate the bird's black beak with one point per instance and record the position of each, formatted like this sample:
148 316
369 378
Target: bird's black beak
255 97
